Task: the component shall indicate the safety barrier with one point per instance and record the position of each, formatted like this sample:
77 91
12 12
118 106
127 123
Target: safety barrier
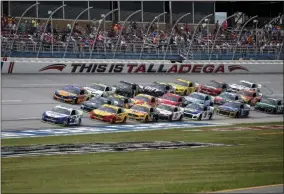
103 66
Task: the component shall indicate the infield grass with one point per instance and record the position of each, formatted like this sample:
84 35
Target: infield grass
257 161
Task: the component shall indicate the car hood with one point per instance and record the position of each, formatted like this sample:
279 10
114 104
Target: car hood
164 112
65 93
240 87
194 100
93 91
265 105
55 114
192 111
177 86
228 108
91 104
103 113
140 113
210 87
161 100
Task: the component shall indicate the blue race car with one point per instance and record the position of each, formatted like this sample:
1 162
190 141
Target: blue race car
63 115
234 109
95 103
198 112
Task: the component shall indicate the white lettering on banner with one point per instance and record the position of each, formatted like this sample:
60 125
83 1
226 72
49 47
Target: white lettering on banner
17 65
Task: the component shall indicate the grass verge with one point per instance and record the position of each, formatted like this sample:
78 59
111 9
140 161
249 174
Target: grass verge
257 161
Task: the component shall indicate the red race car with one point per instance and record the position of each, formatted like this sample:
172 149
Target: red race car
214 88
250 97
171 99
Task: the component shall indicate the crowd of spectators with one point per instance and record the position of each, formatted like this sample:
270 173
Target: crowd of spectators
31 30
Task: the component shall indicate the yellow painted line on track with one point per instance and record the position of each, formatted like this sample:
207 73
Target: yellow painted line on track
256 187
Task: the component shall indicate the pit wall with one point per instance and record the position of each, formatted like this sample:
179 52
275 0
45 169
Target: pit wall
77 66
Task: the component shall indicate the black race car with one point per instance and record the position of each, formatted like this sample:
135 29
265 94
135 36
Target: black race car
158 89
95 103
127 89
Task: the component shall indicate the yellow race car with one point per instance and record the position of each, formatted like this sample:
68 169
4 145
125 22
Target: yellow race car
142 112
109 113
184 87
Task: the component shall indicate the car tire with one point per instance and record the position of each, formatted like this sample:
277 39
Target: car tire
237 115
210 116
181 118
75 101
124 120
66 123
200 117
113 121
79 122
274 111
170 118
185 93
146 119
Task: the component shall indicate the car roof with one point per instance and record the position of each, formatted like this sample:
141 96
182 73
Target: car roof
64 107
100 84
171 94
111 106
144 105
145 95
173 106
73 86
199 93
244 81
217 82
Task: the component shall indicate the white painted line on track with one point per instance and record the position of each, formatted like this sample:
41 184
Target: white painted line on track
11 100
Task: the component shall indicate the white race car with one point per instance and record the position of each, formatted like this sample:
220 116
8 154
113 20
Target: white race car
198 112
97 89
169 112
245 85
63 115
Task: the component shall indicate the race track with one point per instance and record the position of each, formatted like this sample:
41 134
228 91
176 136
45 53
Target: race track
26 97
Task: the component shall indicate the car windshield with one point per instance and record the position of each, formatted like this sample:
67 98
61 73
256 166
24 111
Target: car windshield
246 93
233 104
194 106
170 97
158 86
181 83
116 101
165 107
107 109
197 96
215 84
61 110
143 98
71 89
99 100
140 108
98 87
122 85
269 101
245 84
228 96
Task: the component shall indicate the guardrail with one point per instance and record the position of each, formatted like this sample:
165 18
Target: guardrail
101 66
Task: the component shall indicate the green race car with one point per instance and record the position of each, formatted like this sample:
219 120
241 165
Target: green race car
270 105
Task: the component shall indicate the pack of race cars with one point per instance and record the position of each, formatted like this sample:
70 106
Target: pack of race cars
174 101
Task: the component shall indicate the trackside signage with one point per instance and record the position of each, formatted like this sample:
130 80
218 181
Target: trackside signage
141 67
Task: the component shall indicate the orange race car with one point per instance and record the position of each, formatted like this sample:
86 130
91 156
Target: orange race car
71 94
144 99
250 97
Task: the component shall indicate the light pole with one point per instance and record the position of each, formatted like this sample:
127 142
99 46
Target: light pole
169 39
239 36
100 21
256 23
217 33
70 34
195 30
18 24
155 18
46 27
120 33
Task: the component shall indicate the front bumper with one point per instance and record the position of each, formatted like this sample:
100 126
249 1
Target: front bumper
188 115
164 117
226 113
53 120
100 117
136 117
63 98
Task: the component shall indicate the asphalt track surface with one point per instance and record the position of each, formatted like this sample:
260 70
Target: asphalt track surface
261 189
26 97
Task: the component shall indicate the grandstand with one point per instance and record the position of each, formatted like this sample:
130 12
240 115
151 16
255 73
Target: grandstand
196 36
